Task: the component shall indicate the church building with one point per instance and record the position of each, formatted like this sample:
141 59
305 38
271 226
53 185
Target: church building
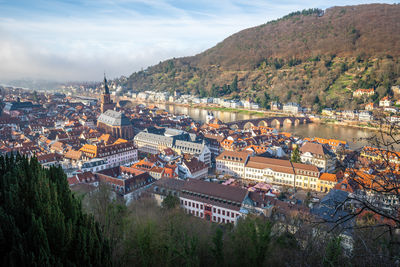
113 122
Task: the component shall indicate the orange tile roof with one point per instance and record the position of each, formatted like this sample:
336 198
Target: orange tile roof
286 134
107 138
331 142
87 148
378 151
257 149
157 169
120 140
143 164
213 125
330 177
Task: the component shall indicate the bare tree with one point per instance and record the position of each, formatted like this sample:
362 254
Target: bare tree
372 181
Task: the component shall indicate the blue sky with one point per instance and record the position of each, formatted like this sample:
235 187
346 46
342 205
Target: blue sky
78 40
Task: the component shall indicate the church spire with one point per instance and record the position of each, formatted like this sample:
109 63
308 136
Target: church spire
106 90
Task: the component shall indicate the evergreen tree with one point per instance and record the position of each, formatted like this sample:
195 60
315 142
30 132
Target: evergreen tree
170 202
251 241
234 84
333 253
41 222
295 157
218 247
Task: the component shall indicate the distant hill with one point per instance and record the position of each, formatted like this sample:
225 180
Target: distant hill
315 57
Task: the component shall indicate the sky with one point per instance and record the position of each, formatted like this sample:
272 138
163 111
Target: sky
76 40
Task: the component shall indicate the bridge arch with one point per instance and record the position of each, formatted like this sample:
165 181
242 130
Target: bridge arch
288 121
248 125
263 123
275 122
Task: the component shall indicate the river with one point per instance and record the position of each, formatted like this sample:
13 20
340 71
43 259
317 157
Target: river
355 137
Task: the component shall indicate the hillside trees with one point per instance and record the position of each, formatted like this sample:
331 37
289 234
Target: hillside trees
41 222
329 54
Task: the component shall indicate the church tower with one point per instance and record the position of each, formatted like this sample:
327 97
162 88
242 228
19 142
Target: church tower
106 102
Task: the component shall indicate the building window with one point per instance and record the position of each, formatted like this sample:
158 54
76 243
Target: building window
223 212
214 219
201 206
219 211
197 205
214 210
227 213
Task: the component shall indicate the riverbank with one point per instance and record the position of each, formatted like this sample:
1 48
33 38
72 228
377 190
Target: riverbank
255 113
240 111
369 126
214 107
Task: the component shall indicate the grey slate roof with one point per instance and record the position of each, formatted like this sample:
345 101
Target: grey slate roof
154 138
334 198
188 147
18 105
114 118
185 146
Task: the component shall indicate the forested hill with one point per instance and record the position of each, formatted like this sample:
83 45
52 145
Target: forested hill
312 56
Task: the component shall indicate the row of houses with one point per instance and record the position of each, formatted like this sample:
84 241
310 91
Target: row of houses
191 99
274 171
118 153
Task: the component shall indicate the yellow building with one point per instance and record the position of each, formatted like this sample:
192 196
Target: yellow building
326 182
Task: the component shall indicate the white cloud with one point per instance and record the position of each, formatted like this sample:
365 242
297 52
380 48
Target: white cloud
81 49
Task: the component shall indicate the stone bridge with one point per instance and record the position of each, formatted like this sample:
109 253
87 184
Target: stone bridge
268 122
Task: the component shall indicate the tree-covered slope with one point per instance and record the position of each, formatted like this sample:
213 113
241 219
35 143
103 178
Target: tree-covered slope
41 222
296 58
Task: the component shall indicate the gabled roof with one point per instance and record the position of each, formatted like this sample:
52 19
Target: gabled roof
194 165
48 158
86 177
277 165
233 156
224 192
73 180
330 177
174 184
314 148
73 154
114 118
107 138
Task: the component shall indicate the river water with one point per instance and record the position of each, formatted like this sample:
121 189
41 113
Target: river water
355 137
